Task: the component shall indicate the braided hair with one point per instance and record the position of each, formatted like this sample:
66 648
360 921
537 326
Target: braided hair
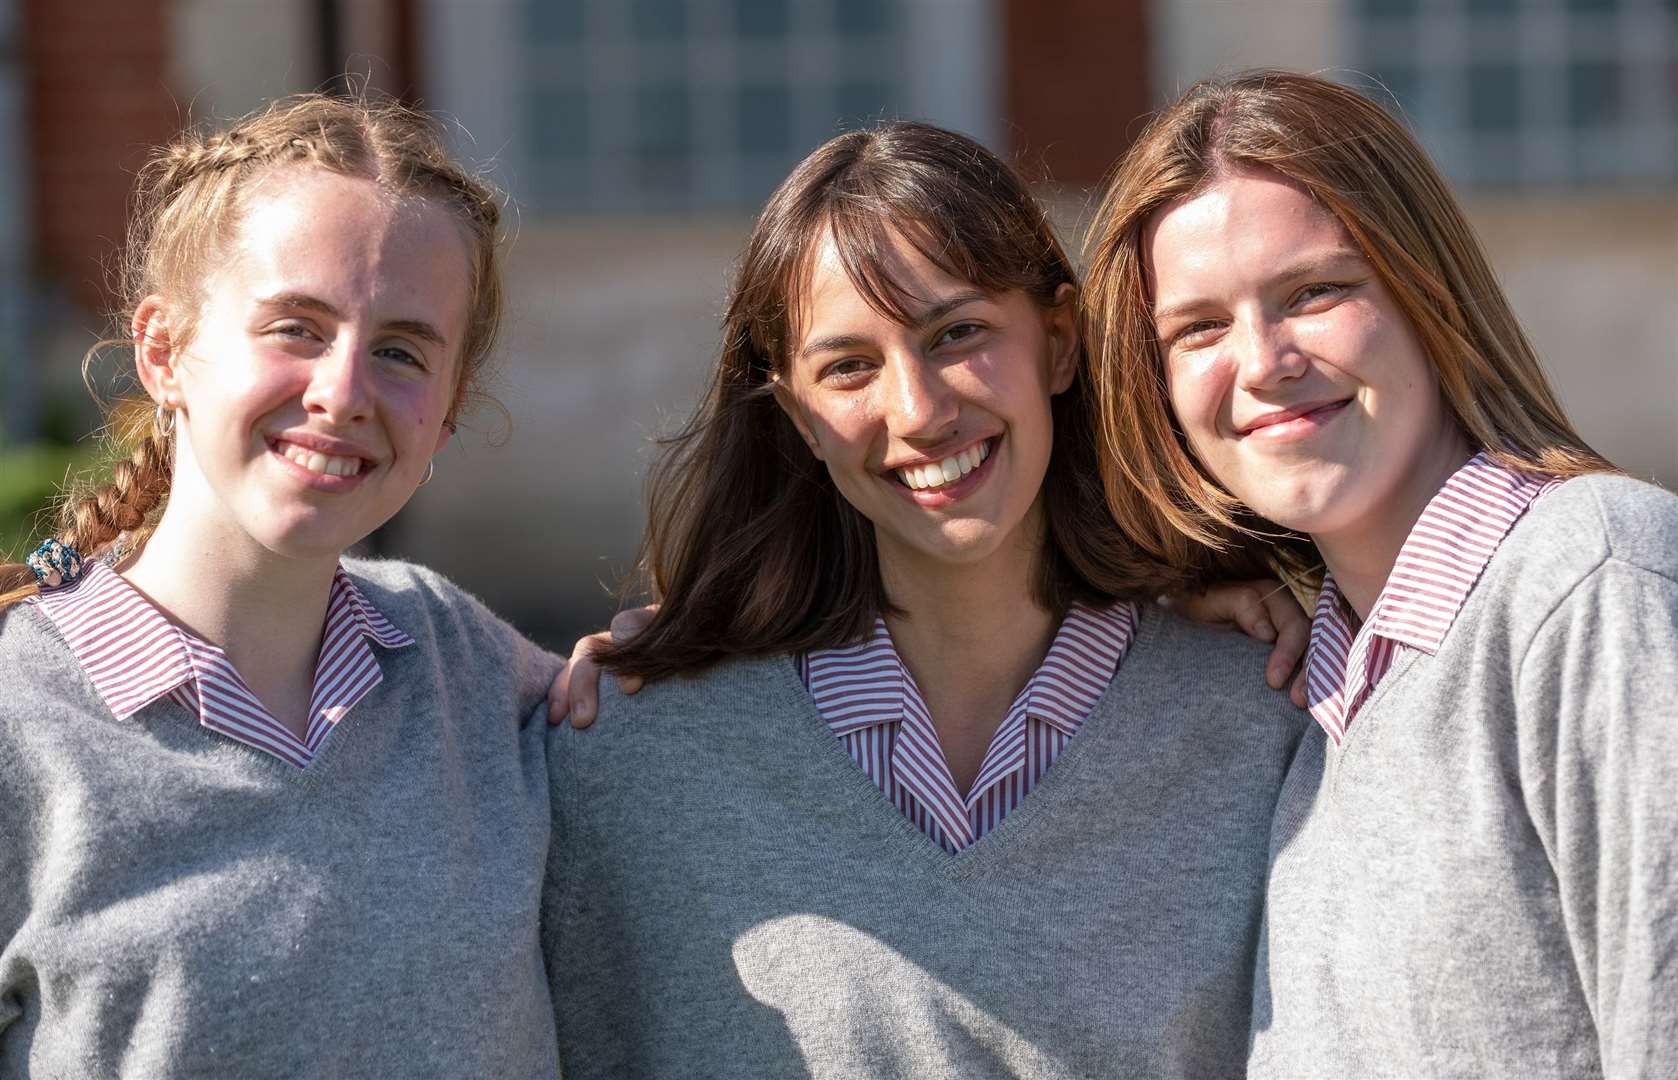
186 205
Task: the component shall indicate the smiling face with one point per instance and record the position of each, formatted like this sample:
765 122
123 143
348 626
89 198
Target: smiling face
938 432
1300 384
321 366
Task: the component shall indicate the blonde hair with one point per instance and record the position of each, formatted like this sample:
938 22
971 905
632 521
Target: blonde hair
187 203
1362 165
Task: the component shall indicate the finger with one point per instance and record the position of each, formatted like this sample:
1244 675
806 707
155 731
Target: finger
629 684
631 621
559 698
1292 639
585 689
1297 691
1241 604
577 686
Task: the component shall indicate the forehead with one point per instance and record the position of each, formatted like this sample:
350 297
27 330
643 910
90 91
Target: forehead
1241 224
349 242
897 274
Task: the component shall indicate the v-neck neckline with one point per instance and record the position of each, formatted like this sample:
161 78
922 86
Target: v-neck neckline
907 840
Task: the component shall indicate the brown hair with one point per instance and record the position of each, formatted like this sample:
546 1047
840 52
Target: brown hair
749 547
1362 165
187 203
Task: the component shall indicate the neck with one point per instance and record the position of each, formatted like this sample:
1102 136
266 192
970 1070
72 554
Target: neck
264 611
1361 557
971 635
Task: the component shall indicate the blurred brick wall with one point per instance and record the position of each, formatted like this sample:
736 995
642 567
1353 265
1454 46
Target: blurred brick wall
98 90
1076 80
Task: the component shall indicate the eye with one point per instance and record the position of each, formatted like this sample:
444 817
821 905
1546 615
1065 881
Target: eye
1320 290
301 331
402 355
957 332
1195 335
850 369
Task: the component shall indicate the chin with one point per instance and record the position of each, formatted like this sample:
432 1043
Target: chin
1308 503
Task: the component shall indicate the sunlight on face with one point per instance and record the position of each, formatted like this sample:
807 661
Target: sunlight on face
938 432
325 356
1298 381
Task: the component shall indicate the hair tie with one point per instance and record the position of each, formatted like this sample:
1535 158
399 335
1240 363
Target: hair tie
55 564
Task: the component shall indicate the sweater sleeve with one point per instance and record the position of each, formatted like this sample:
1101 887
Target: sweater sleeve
1598 730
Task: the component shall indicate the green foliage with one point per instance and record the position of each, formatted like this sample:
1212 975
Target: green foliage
30 479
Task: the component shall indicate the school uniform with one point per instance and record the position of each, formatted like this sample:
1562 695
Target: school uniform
192 890
1474 869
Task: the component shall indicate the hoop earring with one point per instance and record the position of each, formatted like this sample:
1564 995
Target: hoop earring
430 471
163 422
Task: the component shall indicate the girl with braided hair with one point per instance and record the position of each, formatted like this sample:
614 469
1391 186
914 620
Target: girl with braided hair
271 811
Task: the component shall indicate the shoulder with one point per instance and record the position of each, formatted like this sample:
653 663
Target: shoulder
47 693
1200 667
392 586
445 619
1587 528
715 705
417 598
1192 650
1594 518
33 655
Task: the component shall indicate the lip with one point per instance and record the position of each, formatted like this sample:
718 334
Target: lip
951 493
325 482
1294 422
329 445
934 458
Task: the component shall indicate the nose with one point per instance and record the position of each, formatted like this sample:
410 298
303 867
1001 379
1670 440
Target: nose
920 406
338 391
1266 353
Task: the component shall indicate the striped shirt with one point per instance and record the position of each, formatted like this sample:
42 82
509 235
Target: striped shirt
871 703
1436 569
133 655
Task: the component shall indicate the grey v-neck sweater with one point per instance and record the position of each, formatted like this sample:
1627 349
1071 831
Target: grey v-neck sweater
177 904
1481 880
731 896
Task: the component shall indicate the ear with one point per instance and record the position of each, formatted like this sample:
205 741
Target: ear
789 405
156 353
1060 320
444 434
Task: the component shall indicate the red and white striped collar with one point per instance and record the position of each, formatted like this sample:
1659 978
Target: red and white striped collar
867 684
1436 569
133 655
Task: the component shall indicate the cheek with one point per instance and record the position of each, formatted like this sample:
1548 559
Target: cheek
237 385
840 426
422 408
1194 392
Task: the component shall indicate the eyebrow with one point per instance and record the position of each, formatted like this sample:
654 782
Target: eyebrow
1309 267
414 327
929 315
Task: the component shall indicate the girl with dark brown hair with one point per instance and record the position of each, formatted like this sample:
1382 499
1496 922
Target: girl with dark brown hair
935 790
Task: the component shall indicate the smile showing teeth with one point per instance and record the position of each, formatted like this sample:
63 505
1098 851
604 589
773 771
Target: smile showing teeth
317 462
943 473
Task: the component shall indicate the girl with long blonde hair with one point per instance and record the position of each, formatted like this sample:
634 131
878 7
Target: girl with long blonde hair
270 810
